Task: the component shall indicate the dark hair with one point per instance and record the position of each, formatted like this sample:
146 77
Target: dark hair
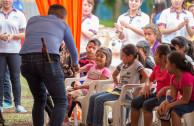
91 2
145 46
57 10
163 50
95 41
183 42
159 6
156 31
131 49
180 61
108 54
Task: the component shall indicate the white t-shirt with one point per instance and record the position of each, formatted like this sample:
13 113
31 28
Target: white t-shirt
90 23
171 19
139 21
12 23
129 75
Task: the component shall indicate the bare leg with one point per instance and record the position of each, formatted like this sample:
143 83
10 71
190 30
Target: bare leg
165 123
148 119
134 117
176 120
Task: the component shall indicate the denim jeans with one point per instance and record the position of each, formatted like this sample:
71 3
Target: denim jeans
13 61
7 87
42 75
96 107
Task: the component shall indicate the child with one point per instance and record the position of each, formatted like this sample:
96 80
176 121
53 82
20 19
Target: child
130 24
90 24
149 100
98 71
92 47
144 48
176 21
153 35
130 70
182 81
182 45
190 8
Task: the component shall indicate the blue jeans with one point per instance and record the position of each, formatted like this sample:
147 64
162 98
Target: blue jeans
96 107
40 76
7 87
13 61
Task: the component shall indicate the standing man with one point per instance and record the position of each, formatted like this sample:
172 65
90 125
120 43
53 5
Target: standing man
36 68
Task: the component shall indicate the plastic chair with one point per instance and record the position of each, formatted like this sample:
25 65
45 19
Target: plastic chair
188 119
95 87
118 106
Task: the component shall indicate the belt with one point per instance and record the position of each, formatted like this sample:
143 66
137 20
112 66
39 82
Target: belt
52 56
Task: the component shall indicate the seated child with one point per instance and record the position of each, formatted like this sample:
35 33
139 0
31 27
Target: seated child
98 71
149 100
130 70
182 81
144 48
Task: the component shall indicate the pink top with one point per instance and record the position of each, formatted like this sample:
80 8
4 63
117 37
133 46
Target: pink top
94 74
162 78
186 80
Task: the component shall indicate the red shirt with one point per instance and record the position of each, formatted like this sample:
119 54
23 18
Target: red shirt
162 78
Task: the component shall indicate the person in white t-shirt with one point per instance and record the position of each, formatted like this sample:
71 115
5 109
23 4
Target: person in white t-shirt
130 24
90 24
176 21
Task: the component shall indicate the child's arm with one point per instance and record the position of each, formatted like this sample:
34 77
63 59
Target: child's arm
143 80
164 89
168 31
115 76
146 89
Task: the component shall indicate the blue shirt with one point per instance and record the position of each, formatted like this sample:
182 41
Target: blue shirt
18 5
54 31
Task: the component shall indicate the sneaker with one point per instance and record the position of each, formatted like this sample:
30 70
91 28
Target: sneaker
7 105
20 108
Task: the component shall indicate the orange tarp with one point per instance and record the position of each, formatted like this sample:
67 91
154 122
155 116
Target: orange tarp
74 15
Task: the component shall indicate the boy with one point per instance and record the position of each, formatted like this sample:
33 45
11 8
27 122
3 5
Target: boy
144 49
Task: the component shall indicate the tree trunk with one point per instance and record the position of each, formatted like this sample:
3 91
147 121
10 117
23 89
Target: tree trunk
117 9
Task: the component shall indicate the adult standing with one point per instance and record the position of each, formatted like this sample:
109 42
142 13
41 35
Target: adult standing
90 24
130 24
12 30
36 68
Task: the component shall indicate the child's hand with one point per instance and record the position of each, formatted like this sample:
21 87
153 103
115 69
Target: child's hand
125 24
186 20
76 87
146 92
162 108
10 38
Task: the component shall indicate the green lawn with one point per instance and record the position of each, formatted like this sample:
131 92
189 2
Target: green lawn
20 119
107 23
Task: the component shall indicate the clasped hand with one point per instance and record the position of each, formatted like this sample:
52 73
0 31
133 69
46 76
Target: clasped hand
6 37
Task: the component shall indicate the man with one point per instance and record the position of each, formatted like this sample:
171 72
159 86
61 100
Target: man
42 73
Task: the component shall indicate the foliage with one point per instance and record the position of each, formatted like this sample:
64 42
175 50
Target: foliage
107 23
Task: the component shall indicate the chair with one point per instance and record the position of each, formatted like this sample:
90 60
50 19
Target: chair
118 106
95 87
188 119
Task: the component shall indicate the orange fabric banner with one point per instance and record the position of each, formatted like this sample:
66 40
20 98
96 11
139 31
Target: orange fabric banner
74 15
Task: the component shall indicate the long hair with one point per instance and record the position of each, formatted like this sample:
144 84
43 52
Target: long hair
163 50
156 31
131 49
180 61
108 54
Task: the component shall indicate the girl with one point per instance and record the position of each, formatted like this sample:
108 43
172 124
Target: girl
90 24
12 30
98 71
182 81
153 35
176 21
130 70
158 7
182 45
130 24
149 100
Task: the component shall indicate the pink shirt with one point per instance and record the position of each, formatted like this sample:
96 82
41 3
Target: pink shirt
186 80
94 74
162 78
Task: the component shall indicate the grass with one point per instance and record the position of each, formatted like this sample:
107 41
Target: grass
20 119
107 23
